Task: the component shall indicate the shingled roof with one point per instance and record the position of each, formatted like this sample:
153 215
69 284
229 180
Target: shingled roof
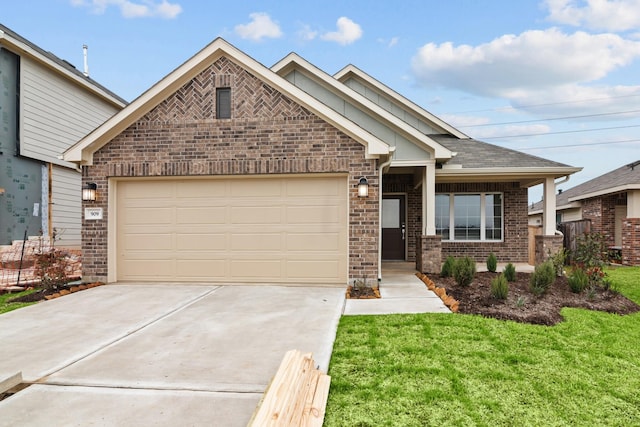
624 178
60 63
472 153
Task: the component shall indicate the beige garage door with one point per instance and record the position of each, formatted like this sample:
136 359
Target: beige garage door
272 230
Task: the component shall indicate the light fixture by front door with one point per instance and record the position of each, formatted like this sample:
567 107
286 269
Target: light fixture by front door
363 187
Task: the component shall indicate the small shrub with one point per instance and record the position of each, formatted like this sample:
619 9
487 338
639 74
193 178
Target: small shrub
543 276
492 262
510 272
499 287
464 271
521 301
558 260
578 280
591 250
447 267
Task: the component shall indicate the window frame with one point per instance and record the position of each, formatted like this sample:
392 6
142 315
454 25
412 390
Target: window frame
219 92
483 217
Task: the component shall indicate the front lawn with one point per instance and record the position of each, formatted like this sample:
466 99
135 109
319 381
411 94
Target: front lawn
6 306
460 370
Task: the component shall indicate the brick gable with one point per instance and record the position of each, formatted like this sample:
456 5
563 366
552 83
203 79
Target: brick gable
267 134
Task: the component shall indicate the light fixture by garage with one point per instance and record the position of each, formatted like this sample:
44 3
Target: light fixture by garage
89 192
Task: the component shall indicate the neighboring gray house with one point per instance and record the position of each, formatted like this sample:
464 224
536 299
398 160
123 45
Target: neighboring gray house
226 170
46 105
611 202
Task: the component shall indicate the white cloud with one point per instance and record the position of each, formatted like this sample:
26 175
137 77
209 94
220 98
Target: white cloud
574 99
347 32
535 66
306 33
131 9
389 43
609 15
261 26
507 131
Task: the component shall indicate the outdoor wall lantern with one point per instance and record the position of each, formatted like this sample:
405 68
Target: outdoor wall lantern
363 187
89 192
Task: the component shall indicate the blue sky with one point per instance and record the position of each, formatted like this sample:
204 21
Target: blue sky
558 79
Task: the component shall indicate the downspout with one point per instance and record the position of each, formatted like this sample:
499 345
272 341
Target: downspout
380 169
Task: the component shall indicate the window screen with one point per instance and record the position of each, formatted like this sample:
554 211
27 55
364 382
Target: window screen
223 103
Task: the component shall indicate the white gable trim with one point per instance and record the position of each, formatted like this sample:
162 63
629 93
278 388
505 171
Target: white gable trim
344 74
606 191
82 152
294 61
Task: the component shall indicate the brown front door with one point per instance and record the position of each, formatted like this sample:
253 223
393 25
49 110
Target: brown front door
393 227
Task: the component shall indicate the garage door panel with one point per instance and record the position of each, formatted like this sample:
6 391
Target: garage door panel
148 269
142 242
256 242
256 215
314 215
199 190
255 187
256 269
285 229
201 215
149 216
319 187
206 269
318 270
321 242
201 242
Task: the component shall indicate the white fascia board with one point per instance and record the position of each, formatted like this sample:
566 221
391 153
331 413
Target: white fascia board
405 163
612 190
516 173
352 69
294 61
83 150
20 47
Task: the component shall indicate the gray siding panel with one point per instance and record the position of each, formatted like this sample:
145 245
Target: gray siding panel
67 206
55 113
379 98
405 149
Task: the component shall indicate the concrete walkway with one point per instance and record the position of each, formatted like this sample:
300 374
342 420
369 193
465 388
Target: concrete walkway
401 291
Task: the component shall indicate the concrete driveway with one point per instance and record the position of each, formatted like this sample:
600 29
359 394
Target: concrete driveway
161 355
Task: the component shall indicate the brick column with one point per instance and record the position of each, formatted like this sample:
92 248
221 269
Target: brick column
631 241
547 245
429 254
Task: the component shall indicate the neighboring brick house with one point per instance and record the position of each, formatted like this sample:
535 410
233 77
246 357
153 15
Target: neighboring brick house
229 171
611 203
46 105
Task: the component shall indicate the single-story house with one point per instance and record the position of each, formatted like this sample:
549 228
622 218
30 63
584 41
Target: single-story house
46 106
611 202
226 170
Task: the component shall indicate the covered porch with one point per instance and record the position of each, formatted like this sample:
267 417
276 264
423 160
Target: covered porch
429 213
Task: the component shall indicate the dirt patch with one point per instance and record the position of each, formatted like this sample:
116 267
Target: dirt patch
523 306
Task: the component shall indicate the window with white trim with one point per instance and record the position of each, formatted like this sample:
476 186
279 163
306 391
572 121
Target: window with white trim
469 216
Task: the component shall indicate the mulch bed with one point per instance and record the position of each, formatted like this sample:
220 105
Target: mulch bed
47 294
523 306
362 292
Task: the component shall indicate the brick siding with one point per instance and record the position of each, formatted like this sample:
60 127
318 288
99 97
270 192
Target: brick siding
267 134
631 241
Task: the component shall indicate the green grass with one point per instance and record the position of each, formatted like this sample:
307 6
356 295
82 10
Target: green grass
464 370
9 306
